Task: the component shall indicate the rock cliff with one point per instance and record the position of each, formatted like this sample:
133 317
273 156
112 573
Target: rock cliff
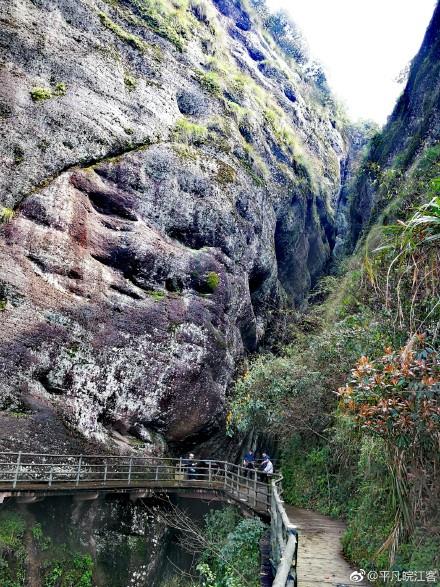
413 126
169 178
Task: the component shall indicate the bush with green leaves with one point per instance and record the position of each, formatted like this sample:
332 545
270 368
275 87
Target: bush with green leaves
39 94
6 215
12 549
233 556
294 391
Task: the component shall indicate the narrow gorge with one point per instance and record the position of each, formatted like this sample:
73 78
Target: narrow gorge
185 214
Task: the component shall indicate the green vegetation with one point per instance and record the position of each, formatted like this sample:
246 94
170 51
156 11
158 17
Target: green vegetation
156 295
59 566
189 132
42 541
60 89
120 32
212 281
12 550
351 395
71 571
281 130
6 215
231 556
130 82
39 94
210 81
170 20
254 165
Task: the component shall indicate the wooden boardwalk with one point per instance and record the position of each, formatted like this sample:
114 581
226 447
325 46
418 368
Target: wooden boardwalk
320 560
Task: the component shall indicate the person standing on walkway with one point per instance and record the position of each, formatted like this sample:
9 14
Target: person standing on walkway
266 467
190 465
249 462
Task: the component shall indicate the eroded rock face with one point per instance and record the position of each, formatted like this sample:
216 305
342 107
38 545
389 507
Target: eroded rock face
413 126
125 538
133 285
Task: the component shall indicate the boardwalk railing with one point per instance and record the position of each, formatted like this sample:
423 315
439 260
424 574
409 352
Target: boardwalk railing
284 540
22 473
36 472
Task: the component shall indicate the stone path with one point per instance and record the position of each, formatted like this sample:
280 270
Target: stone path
320 560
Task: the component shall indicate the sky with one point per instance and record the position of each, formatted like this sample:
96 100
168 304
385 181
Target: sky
363 46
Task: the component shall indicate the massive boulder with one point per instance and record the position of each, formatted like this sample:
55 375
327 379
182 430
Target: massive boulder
169 196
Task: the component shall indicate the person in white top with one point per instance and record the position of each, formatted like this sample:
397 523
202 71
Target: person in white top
267 465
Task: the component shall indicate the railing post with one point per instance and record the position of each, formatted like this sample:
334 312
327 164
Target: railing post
255 487
129 470
209 472
226 476
78 472
50 475
105 473
157 473
17 470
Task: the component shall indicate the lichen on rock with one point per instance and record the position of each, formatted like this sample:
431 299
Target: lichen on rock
181 185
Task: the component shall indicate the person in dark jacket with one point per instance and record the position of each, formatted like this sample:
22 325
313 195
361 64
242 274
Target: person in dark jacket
190 466
249 462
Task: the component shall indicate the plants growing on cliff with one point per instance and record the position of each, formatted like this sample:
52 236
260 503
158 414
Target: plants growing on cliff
412 253
12 550
212 281
201 11
210 81
167 19
130 82
189 132
69 571
6 215
120 32
286 34
232 557
60 89
396 398
39 94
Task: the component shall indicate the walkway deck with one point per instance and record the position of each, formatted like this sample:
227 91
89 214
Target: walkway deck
320 560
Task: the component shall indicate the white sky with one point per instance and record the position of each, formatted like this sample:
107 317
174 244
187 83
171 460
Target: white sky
363 46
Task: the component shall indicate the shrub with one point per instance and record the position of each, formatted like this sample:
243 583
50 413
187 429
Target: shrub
212 281
233 554
130 82
39 94
60 89
6 215
225 173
